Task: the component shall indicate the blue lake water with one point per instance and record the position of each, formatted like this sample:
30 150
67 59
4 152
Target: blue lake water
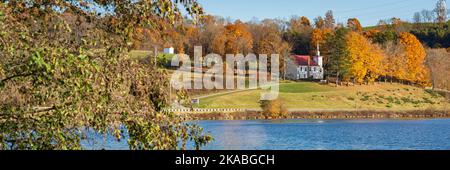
322 135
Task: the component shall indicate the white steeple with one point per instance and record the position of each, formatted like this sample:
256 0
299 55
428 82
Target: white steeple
318 58
318 49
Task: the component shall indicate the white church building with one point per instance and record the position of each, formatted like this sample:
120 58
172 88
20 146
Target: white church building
300 67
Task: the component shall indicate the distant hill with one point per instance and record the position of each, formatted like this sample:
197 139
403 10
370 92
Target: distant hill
434 35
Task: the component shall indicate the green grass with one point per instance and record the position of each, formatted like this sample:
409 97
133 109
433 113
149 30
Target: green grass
139 54
303 87
308 95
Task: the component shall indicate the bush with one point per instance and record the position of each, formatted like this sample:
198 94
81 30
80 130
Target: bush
274 108
165 60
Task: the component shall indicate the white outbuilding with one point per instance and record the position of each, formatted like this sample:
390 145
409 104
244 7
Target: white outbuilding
169 50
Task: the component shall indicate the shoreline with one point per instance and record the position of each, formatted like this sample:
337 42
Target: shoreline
257 115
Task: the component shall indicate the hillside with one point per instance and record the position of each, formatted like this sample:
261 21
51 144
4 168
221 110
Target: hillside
308 95
434 35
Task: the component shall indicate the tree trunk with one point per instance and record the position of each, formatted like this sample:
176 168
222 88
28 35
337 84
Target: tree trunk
337 79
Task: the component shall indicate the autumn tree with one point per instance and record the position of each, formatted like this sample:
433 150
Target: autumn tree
147 37
274 108
400 26
438 61
304 21
211 34
319 22
298 35
415 56
175 38
364 57
218 44
319 36
394 62
354 25
192 35
268 38
235 38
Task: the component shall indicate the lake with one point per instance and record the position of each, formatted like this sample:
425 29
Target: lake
322 135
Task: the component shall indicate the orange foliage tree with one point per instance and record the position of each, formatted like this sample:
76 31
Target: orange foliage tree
267 37
319 36
305 21
354 25
175 39
192 37
238 38
370 34
415 56
218 44
394 62
319 22
297 24
365 58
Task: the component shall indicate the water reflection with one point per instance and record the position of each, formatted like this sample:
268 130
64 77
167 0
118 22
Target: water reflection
229 134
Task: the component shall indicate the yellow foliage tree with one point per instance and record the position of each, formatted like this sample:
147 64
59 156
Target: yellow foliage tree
319 36
394 61
274 108
415 58
365 58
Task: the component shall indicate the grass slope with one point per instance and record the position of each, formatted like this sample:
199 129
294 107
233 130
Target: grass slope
308 95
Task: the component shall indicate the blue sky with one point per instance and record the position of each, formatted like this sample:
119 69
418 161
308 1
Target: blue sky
369 12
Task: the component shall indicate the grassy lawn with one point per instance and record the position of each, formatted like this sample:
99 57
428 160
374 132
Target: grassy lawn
139 54
308 95
304 87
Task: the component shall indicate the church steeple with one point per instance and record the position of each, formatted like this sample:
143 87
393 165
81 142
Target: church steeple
318 59
318 49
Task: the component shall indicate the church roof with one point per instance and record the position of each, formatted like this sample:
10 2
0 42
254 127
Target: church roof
303 60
